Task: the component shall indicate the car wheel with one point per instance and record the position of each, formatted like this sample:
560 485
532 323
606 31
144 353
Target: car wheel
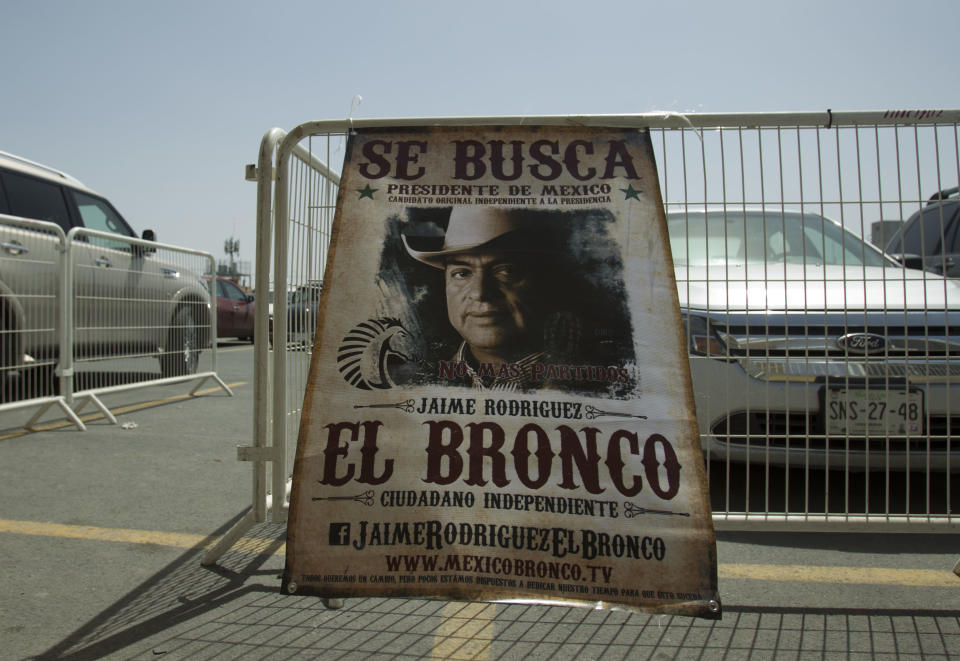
182 354
19 381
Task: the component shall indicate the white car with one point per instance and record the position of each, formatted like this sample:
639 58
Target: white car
126 300
809 347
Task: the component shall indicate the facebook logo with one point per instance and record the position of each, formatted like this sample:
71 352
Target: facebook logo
339 534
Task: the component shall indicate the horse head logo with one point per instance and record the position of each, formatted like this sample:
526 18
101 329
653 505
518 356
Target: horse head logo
367 351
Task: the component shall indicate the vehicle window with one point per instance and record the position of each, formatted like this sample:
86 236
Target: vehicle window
953 233
37 199
96 214
231 291
910 240
931 238
753 237
306 294
3 201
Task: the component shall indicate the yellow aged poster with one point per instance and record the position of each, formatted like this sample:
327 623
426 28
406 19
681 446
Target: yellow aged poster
499 402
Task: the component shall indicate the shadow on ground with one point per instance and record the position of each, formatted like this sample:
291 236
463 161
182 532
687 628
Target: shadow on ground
236 610
181 591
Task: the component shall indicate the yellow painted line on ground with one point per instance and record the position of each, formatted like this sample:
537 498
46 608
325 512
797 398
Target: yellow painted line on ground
933 578
156 537
96 533
60 424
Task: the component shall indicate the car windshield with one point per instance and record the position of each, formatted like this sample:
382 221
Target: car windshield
757 237
309 294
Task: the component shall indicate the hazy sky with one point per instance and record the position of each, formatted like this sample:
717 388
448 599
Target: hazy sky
159 105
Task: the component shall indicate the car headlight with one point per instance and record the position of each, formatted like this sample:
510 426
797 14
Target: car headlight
702 339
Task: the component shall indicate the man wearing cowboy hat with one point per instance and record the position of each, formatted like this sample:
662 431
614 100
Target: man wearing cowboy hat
498 290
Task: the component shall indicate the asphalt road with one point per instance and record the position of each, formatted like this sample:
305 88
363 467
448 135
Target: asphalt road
101 534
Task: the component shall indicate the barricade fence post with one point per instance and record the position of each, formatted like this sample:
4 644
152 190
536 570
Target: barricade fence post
276 410
33 280
305 194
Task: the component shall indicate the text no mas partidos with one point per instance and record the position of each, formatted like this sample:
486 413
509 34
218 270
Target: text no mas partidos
583 456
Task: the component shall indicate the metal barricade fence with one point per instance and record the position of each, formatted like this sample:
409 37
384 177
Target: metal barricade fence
143 313
95 313
290 259
793 318
827 398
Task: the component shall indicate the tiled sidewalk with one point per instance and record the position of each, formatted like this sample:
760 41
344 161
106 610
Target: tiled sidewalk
278 627
235 611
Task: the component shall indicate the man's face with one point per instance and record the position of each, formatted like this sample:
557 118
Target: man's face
493 301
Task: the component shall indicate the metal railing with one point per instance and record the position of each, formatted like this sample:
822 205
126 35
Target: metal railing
775 384
290 259
89 313
773 461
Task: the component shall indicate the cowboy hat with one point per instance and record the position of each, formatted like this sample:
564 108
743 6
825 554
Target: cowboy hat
471 228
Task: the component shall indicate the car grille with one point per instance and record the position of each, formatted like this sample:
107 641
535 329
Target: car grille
817 335
919 347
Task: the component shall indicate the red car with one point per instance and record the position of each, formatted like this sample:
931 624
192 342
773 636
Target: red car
234 311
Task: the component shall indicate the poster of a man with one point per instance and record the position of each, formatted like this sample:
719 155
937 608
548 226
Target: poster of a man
499 404
531 299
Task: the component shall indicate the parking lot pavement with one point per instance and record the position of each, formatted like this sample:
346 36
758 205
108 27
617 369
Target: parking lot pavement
101 535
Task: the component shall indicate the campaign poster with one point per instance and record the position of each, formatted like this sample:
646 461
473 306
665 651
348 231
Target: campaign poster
499 402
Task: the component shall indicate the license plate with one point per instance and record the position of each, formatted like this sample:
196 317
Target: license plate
877 412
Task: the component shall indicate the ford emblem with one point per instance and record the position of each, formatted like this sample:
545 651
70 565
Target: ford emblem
863 343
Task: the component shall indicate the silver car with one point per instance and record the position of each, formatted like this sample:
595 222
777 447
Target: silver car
126 301
808 347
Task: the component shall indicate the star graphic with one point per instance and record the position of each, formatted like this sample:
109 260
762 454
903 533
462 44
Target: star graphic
366 192
629 192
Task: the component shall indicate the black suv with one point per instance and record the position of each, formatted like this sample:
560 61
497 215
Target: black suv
930 238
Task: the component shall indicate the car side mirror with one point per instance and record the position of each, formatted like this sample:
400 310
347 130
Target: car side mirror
249 298
140 251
